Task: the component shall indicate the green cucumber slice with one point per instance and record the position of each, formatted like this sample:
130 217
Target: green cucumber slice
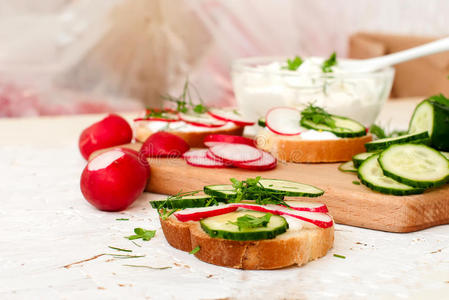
432 115
291 188
345 127
261 122
347 167
415 138
183 202
219 227
415 165
371 175
361 157
445 154
224 191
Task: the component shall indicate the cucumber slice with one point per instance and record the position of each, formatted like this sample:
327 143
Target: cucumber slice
261 122
223 191
183 202
445 154
432 116
415 138
361 157
415 165
220 227
347 167
345 127
291 188
371 175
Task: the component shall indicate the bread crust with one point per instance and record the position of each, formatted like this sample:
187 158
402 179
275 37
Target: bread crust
287 249
193 138
291 149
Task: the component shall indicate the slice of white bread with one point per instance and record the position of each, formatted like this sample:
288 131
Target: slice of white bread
193 138
294 247
292 149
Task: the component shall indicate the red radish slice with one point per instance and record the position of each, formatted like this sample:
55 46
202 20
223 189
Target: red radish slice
196 214
163 144
201 120
195 153
321 220
230 115
210 155
236 153
284 120
204 162
216 139
308 206
267 162
113 180
111 131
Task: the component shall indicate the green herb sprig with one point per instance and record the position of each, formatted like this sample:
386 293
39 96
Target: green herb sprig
184 102
249 221
380 133
143 234
318 115
293 64
329 63
251 189
195 250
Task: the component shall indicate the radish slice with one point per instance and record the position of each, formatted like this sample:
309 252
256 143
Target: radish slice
284 120
210 155
201 120
321 220
236 153
196 214
230 115
267 162
204 162
195 153
308 206
218 139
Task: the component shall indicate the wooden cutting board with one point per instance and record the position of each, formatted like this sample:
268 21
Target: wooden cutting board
348 203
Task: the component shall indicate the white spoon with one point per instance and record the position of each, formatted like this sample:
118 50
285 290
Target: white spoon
373 64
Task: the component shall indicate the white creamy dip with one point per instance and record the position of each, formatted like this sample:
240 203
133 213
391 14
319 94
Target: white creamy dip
310 135
360 96
180 126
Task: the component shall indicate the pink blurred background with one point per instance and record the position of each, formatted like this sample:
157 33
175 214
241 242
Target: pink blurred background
75 57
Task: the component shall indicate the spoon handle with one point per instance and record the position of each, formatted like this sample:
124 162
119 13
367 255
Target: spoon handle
409 54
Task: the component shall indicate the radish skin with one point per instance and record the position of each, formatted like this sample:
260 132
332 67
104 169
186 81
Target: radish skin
163 144
113 130
113 180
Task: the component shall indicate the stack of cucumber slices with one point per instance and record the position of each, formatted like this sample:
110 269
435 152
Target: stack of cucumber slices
411 163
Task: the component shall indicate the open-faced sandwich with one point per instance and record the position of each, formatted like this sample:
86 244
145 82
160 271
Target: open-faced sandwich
192 122
311 135
224 228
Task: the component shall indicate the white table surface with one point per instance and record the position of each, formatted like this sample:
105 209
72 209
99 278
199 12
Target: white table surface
45 224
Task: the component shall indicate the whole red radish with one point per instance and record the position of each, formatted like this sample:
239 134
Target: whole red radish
139 156
113 180
113 130
163 144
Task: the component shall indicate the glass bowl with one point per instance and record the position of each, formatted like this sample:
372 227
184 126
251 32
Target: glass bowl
259 84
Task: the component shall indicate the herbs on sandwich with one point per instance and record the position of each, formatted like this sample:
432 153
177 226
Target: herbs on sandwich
329 63
184 103
293 64
248 221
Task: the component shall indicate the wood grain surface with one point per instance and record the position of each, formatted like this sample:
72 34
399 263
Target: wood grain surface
348 203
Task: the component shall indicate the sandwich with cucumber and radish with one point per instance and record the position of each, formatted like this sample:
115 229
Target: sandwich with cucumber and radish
190 121
249 224
311 135
413 162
